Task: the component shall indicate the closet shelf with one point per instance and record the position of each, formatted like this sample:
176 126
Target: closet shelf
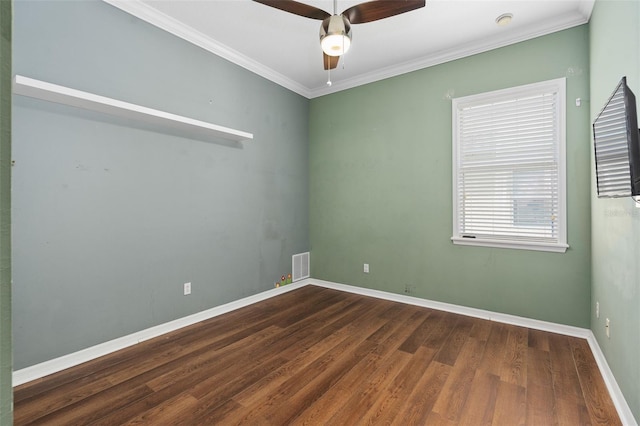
30 87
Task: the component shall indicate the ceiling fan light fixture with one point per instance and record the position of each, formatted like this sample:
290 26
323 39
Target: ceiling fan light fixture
335 44
335 35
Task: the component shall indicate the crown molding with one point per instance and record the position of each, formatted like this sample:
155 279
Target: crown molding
154 17
148 14
471 49
586 8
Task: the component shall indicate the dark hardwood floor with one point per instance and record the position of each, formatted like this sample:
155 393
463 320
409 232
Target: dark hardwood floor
319 356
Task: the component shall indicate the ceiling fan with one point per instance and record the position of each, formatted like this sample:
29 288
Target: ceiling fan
335 31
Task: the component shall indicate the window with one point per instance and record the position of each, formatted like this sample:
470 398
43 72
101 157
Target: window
509 168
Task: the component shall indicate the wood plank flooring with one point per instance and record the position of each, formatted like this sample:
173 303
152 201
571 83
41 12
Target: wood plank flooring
319 356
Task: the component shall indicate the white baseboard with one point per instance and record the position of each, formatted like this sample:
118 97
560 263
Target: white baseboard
66 361
626 416
52 366
462 310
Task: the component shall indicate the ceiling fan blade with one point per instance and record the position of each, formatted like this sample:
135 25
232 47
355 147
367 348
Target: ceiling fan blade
380 9
330 62
296 8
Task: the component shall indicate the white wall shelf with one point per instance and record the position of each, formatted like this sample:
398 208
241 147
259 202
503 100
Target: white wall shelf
30 87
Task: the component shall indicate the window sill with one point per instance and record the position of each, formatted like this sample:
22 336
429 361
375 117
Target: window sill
518 245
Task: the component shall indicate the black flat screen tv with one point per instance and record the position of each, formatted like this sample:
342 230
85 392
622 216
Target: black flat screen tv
617 145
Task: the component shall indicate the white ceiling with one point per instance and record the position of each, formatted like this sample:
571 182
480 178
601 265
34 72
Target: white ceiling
285 48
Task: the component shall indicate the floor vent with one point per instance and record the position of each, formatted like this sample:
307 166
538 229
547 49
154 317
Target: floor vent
300 266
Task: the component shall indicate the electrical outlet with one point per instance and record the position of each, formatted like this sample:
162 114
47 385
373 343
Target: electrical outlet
187 288
597 309
366 268
607 327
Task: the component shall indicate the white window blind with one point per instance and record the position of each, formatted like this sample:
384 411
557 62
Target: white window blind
508 182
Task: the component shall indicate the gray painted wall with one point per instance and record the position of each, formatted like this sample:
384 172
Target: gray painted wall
6 392
110 217
615 51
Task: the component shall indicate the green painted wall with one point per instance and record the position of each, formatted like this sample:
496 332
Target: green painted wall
380 187
110 218
117 216
615 52
6 392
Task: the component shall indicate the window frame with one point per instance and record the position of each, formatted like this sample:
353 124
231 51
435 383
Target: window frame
557 86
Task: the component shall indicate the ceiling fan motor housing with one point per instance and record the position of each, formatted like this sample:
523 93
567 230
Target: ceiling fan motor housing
335 35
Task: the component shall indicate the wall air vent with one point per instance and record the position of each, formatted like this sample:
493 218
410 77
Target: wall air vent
300 266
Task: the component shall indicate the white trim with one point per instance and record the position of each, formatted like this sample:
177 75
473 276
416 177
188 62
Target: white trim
485 242
470 49
156 18
38 89
148 14
559 88
626 416
67 361
586 8
535 324
624 411
52 366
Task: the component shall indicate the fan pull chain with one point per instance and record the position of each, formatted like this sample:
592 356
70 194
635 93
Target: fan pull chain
329 76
